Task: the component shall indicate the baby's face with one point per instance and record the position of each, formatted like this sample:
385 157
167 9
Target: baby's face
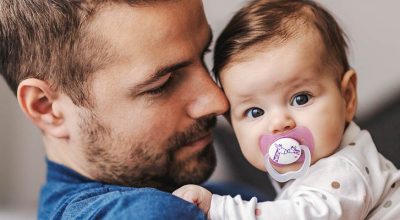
275 89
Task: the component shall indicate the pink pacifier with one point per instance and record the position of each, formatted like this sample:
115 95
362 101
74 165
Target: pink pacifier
291 147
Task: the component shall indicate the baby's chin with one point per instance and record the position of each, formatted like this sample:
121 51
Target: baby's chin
281 169
286 168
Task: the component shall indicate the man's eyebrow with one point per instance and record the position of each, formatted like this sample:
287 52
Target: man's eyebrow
162 72
169 69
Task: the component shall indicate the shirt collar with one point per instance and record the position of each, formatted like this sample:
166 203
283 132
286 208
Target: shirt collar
350 134
60 173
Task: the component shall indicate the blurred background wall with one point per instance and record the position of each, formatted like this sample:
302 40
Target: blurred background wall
374 33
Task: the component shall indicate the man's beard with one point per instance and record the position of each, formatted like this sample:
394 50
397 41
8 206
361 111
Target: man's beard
120 160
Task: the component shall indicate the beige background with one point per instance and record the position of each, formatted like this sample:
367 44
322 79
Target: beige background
374 33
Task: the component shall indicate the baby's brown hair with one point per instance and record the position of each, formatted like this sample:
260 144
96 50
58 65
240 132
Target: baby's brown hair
274 22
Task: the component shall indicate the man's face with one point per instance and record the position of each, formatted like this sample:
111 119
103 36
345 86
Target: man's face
154 105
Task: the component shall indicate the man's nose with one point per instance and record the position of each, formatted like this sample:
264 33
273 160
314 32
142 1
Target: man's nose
280 122
208 99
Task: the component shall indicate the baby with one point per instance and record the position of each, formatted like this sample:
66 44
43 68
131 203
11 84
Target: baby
284 68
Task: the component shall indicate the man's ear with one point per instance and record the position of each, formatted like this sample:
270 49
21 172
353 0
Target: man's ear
349 93
36 100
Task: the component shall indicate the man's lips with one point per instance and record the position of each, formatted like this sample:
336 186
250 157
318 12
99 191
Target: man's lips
200 143
188 150
301 134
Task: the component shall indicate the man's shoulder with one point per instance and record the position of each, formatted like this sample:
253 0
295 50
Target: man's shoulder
109 202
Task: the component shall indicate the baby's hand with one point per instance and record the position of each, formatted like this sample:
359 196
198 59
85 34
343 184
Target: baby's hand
196 195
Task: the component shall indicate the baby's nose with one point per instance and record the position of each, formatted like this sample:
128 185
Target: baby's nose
281 122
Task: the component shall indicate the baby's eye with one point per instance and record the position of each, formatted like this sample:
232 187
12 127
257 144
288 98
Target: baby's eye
300 99
254 112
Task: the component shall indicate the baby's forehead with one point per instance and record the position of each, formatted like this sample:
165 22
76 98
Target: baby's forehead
306 40
308 33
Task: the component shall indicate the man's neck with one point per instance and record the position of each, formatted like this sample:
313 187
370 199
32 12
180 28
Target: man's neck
59 152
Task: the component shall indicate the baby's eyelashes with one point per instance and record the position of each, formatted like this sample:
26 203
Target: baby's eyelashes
300 99
254 112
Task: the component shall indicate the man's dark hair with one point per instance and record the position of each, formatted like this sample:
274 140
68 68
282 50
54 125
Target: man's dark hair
273 22
49 40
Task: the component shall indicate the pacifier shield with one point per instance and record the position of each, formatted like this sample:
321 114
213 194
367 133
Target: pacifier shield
285 151
294 146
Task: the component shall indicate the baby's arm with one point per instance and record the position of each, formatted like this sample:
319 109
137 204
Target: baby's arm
304 204
224 207
196 195
333 189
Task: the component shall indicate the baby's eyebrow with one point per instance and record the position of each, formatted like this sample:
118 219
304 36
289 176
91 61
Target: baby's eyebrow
243 97
299 83
239 103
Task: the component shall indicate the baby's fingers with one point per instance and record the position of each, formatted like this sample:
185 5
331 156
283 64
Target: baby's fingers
187 193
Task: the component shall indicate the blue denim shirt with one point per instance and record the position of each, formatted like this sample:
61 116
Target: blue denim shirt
68 195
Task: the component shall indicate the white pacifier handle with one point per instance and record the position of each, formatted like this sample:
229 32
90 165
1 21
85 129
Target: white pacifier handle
284 177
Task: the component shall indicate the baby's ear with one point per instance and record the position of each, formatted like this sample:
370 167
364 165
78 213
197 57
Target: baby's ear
36 100
349 93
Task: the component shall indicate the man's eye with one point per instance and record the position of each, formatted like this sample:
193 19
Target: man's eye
158 90
254 112
162 88
300 99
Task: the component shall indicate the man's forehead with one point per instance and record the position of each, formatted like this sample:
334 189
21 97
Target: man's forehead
154 22
149 38
143 7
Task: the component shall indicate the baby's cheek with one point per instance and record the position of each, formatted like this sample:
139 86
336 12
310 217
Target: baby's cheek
249 145
255 158
328 144
259 162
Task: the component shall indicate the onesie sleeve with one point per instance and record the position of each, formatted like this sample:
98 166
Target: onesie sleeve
333 190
